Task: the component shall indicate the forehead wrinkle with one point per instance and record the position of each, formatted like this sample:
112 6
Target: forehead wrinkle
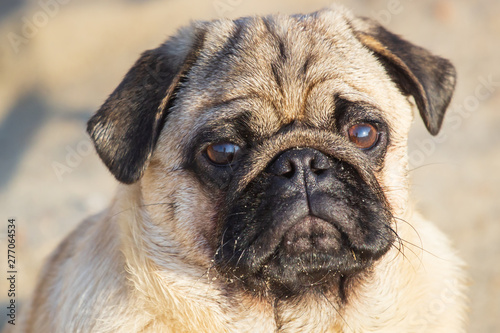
291 62
302 54
252 111
312 54
247 70
356 96
275 42
256 72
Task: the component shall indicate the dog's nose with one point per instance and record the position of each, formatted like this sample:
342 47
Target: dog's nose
300 164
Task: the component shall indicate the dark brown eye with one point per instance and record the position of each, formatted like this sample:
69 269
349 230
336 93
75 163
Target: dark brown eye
363 135
222 153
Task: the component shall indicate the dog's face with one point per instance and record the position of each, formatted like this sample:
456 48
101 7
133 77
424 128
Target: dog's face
274 149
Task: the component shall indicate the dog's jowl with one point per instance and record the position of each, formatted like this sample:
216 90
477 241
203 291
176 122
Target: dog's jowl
263 168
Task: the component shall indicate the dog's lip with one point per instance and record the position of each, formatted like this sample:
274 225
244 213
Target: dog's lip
311 234
301 225
304 223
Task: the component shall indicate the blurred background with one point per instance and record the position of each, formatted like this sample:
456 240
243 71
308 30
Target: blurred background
59 59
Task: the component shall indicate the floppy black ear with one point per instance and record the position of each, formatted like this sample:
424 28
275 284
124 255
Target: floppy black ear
127 126
428 78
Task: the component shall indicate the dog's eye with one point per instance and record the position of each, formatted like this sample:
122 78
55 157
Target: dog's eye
363 135
223 153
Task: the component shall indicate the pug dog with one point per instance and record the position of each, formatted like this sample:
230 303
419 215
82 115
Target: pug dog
264 188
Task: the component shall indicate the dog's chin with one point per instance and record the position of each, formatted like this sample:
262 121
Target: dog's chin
312 255
298 251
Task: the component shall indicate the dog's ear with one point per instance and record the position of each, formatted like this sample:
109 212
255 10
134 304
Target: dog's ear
127 126
428 78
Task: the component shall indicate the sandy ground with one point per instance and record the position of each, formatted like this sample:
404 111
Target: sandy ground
60 59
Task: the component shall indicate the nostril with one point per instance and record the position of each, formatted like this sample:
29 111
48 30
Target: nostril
288 169
289 174
318 166
300 161
318 172
283 167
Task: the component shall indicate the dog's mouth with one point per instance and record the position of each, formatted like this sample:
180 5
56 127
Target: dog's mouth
310 253
310 229
311 235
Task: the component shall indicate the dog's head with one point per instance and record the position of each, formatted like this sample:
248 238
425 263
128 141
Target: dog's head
274 147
